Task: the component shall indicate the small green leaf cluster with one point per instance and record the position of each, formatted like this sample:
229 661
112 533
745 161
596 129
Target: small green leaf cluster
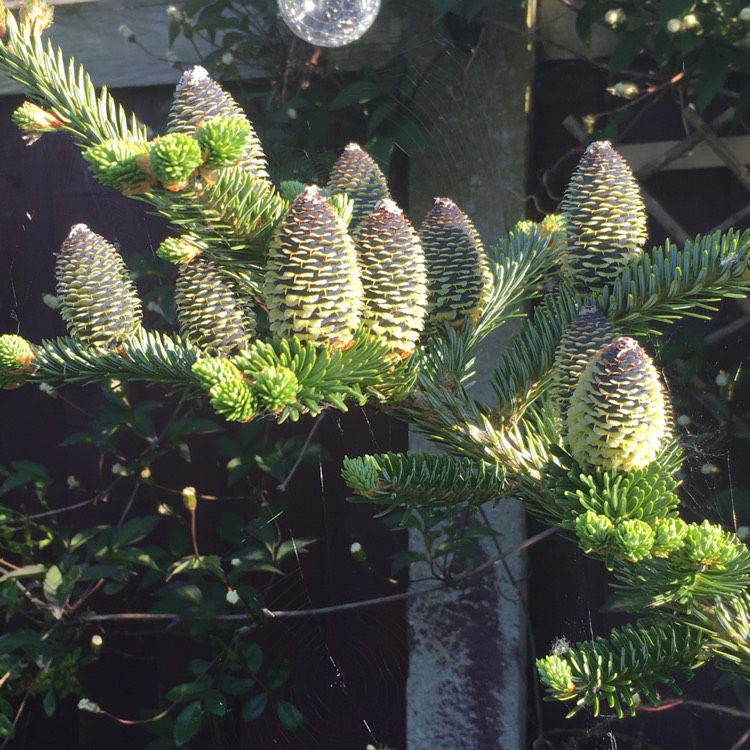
694 46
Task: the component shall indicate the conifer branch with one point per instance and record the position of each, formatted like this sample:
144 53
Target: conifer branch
612 672
395 478
65 88
148 356
519 263
669 284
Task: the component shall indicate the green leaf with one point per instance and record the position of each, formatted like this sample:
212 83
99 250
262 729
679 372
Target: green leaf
49 703
134 530
27 472
358 92
84 536
188 690
254 707
6 727
713 74
252 653
58 587
187 723
278 672
27 571
95 572
290 716
291 547
216 703
630 44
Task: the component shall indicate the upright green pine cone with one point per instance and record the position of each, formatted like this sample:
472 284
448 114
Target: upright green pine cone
209 310
458 278
605 219
312 285
583 338
393 277
98 300
356 174
16 361
199 99
617 414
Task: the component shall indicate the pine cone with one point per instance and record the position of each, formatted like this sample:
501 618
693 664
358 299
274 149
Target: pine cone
394 278
356 174
198 99
458 278
209 310
589 332
605 219
312 285
98 300
617 414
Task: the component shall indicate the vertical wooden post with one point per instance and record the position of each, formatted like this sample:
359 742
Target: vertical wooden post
466 687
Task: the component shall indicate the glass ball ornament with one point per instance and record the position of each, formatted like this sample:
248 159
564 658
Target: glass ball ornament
329 23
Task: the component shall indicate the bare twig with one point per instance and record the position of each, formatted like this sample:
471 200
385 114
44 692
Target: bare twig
335 608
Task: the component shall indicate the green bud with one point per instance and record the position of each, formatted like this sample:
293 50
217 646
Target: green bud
709 546
223 140
36 15
179 250
235 400
669 535
213 370
277 387
120 165
595 532
633 539
555 673
16 361
173 159
33 121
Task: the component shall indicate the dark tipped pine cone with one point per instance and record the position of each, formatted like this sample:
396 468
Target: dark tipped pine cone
458 279
98 300
312 284
210 312
617 415
357 175
605 219
394 277
199 99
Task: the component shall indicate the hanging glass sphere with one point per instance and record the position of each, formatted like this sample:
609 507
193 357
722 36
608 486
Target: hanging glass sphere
329 23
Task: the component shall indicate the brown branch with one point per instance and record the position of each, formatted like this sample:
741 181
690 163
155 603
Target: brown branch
334 608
